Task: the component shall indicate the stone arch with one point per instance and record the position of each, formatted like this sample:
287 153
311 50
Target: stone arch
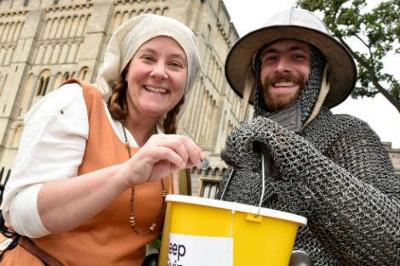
83 73
26 95
9 54
44 78
17 136
125 16
47 28
53 29
39 54
55 57
133 13
73 51
74 26
66 76
67 28
3 80
117 20
11 31
48 50
2 26
64 53
157 11
17 32
60 28
58 80
81 25
2 55
5 32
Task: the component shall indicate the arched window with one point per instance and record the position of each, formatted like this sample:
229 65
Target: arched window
17 137
26 95
43 83
83 73
66 76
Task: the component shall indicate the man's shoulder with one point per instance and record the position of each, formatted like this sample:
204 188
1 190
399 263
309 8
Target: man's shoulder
351 124
349 119
329 122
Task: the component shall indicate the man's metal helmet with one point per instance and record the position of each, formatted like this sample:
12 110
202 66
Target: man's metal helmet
297 24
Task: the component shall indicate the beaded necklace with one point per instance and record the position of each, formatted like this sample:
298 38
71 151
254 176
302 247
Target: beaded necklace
153 226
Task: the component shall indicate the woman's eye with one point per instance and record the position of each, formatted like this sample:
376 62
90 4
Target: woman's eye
176 64
148 58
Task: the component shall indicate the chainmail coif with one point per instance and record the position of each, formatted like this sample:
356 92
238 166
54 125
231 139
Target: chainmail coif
335 172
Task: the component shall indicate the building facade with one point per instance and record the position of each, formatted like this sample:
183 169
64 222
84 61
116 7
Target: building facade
44 42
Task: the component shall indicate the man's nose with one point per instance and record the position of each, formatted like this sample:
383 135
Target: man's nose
283 65
159 71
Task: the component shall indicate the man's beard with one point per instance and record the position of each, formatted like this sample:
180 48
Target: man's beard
275 103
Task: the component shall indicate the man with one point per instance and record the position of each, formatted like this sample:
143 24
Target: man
329 168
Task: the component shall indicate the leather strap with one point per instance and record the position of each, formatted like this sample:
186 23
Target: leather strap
36 251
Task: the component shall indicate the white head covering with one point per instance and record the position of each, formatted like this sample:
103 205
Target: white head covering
129 36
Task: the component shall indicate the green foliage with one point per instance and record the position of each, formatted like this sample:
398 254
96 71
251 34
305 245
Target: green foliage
377 29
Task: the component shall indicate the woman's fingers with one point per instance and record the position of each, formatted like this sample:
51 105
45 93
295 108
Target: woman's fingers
195 153
172 142
185 147
163 155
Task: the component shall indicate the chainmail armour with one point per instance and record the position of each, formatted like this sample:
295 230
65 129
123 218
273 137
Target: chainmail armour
334 171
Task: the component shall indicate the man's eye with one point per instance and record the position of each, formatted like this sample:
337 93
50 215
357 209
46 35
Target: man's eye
269 58
300 57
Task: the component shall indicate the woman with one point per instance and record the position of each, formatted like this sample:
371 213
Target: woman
89 181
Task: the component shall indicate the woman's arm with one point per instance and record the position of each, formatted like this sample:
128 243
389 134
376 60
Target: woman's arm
65 204
56 123
45 196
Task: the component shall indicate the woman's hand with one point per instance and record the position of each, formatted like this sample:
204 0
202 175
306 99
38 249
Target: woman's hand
161 156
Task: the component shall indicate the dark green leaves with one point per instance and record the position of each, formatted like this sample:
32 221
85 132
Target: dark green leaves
371 34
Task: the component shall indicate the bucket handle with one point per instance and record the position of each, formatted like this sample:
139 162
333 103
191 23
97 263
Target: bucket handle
263 163
227 183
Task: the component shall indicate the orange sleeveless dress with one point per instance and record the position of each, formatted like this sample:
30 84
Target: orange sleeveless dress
107 238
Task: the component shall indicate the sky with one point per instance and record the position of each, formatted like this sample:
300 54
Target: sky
377 112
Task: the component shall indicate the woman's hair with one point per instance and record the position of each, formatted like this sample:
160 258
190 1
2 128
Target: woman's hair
117 105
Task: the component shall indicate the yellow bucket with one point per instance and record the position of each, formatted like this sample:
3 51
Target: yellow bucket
207 232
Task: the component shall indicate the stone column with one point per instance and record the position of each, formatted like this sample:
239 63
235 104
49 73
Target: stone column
19 66
91 51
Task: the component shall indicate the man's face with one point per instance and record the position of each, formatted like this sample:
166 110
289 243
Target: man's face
285 68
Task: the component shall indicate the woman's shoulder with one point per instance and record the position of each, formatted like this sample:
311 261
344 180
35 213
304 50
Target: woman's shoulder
56 101
89 89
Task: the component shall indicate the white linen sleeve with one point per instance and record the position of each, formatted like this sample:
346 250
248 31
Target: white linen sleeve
52 147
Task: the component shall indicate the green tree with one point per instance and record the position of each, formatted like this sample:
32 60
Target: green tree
377 29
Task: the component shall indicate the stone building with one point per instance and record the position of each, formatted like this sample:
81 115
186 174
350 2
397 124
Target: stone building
44 42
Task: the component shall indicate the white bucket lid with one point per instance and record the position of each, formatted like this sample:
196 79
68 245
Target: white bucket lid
238 207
